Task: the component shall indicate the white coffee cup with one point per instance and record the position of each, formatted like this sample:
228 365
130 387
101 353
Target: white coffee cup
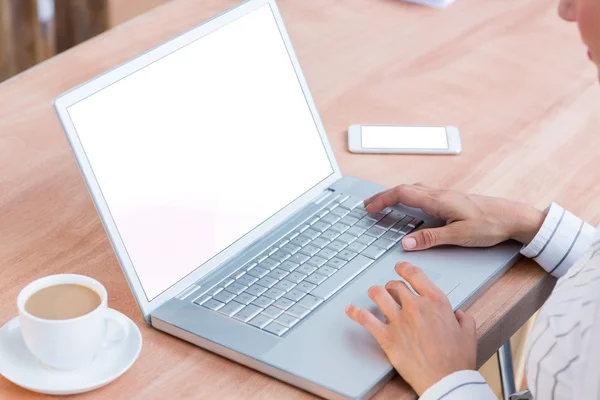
68 344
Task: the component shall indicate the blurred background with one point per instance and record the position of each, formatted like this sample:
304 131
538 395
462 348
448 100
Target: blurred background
32 31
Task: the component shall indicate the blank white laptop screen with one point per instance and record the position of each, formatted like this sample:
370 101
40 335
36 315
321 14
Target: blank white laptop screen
198 148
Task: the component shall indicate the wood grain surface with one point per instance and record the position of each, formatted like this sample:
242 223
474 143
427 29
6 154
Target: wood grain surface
509 74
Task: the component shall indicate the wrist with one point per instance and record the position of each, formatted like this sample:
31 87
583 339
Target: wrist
526 224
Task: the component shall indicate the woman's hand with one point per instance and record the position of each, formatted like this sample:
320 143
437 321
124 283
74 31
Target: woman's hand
473 221
424 340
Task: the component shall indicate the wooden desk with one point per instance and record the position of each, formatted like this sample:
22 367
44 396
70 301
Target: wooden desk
509 74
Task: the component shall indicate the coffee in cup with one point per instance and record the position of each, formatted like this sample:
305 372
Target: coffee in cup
63 320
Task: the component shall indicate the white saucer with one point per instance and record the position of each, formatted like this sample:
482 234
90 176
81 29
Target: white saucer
20 367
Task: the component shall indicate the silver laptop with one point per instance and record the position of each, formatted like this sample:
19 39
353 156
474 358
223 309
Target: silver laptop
218 188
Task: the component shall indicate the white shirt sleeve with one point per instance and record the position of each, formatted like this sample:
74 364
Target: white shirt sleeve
560 242
460 385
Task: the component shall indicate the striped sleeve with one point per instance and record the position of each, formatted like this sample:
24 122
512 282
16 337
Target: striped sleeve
460 385
560 242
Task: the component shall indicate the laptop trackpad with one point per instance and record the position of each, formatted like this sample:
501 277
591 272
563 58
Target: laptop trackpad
447 285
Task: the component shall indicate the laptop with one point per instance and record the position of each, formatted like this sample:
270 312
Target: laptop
219 190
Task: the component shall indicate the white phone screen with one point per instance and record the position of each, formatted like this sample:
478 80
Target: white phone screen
404 137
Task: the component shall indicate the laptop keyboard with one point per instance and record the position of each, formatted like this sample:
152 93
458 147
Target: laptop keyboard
288 281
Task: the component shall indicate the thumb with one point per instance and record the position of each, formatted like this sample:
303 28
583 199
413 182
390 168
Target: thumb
465 321
426 238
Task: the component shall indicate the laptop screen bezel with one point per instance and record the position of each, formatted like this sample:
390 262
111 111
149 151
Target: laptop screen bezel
64 101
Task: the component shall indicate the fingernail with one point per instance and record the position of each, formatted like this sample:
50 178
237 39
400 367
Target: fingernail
409 243
348 308
368 207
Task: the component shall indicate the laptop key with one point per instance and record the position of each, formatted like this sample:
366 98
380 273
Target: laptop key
273 311
281 243
327 253
200 300
226 282
346 255
358 213
309 302
326 270
247 280
330 234
349 220
316 261
311 233
356 231
262 301
351 203
330 218
291 248
285 285
245 298
213 304
247 313
301 240
256 289
383 243
336 263
297 311
306 269
337 245
288 266
320 242
295 277
276 329
373 252
366 239
269 264
342 277
224 296
287 320
294 295
305 286
231 308
376 217
299 258
340 212
274 293
320 226
267 282
236 288
283 303
346 238
375 231
260 321
258 272
280 256
310 250
365 223
316 278
357 247
339 227
278 273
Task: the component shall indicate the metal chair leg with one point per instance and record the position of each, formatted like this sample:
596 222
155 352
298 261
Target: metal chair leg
507 375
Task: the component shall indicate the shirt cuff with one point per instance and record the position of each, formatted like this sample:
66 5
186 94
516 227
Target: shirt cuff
460 385
560 242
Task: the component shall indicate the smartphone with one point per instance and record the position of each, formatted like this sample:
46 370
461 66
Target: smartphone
397 139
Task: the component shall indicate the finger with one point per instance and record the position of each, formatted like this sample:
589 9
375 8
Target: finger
408 195
384 302
567 10
367 320
417 186
418 280
400 292
466 322
426 238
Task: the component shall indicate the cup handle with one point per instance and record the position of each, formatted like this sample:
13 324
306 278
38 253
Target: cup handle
122 321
